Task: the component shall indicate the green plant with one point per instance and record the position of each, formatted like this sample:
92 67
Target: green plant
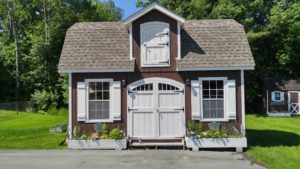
44 100
195 127
52 111
76 132
104 132
115 134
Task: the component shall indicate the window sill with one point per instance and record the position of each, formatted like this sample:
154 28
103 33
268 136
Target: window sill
214 120
99 121
154 65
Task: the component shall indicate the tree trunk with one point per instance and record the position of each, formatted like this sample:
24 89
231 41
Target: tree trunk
46 40
17 57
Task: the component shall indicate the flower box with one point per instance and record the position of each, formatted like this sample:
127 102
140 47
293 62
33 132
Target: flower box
196 143
97 144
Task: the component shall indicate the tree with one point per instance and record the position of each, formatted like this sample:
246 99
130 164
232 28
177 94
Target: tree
40 27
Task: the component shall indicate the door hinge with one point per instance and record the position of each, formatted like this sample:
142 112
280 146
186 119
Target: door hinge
179 91
162 34
130 109
164 43
182 109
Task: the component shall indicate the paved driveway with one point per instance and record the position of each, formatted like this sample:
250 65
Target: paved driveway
131 159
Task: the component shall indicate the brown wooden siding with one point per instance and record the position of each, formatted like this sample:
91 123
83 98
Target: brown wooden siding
154 16
134 76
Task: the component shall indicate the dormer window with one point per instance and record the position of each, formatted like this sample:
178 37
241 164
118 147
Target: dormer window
155 45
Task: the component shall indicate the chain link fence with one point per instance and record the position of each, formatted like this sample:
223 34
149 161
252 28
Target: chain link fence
17 106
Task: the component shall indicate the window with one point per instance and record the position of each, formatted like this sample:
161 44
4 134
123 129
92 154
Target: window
213 99
167 87
145 87
277 96
155 44
99 100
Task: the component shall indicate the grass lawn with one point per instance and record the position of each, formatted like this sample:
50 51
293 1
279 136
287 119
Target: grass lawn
274 141
30 130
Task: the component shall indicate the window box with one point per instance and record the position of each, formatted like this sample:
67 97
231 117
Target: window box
98 144
196 143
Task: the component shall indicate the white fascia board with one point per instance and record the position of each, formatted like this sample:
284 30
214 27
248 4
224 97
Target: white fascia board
70 129
215 68
161 9
130 42
93 70
178 41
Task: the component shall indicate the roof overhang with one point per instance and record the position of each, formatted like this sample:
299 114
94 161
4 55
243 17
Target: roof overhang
215 68
93 70
157 7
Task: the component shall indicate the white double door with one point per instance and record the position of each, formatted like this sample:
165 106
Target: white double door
156 109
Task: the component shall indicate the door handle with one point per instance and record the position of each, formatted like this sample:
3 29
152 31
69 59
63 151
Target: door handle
130 109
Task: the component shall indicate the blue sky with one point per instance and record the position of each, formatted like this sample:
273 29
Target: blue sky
128 6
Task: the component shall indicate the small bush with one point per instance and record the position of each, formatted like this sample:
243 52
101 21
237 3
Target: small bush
44 100
195 127
115 134
76 132
104 132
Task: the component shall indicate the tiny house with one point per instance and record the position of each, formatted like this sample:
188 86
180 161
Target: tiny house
154 72
282 96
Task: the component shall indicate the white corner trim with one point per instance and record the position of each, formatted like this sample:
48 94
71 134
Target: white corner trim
267 102
243 129
215 68
130 42
161 9
178 41
70 129
94 70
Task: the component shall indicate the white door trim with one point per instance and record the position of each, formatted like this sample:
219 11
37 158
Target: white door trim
289 100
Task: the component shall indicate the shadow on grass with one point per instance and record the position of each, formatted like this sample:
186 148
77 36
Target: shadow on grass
271 138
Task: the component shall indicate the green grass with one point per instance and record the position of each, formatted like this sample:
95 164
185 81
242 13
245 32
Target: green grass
274 141
30 130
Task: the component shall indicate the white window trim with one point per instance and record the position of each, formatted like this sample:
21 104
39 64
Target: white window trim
87 81
142 56
225 119
275 96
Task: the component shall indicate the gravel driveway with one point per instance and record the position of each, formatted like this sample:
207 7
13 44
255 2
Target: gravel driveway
130 159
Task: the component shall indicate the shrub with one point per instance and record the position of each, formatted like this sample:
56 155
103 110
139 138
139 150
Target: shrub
195 127
76 132
44 100
104 132
115 134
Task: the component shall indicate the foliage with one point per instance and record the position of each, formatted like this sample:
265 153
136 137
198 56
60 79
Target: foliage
44 100
222 133
104 132
55 111
26 130
195 127
196 130
76 132
274 141
116 134
40 27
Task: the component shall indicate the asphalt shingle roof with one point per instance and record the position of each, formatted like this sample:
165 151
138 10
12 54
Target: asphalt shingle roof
214 43
96 45
204 44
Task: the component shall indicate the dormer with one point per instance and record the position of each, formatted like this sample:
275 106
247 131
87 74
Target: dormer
154 34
